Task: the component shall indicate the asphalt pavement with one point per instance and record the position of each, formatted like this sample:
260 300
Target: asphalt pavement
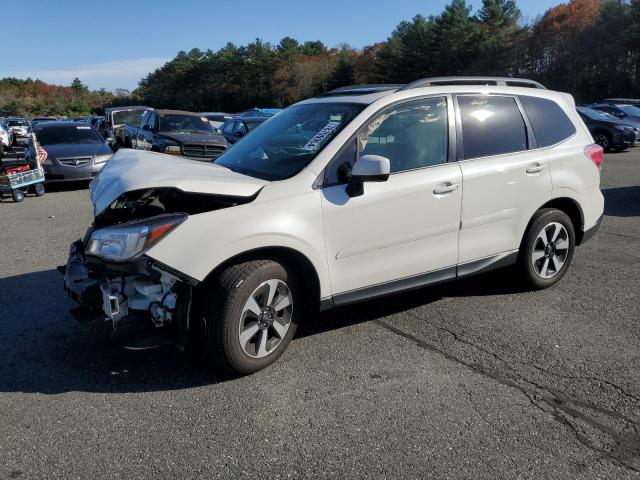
474 379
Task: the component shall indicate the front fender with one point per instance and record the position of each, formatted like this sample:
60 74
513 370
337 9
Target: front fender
205 241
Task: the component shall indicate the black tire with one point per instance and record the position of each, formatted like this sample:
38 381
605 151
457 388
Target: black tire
603 139
527 267
17 195
223 315
38 189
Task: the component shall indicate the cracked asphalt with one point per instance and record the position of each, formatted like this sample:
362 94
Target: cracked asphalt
474 379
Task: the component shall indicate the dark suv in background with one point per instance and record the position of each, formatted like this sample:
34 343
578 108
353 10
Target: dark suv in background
175 132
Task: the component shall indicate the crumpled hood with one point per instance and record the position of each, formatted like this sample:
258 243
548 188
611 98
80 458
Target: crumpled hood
130 170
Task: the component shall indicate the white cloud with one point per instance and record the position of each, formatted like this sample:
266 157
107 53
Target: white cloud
109 75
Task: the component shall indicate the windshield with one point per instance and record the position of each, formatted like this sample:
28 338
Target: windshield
630 110
596 114
67 134
184 123
17 123
128 117
287 142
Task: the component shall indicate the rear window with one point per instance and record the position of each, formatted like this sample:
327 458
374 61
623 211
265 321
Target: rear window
549 122
491 125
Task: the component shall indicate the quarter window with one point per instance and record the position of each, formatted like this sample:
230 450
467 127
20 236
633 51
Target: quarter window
549 122
411 135
491 125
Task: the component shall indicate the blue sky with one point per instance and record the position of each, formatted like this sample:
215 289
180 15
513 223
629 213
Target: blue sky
114 43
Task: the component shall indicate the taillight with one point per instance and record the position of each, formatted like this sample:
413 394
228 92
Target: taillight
595 153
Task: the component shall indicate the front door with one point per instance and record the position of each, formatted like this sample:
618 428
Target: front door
402 232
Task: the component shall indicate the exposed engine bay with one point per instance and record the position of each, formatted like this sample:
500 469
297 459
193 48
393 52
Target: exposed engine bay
141 204
134 289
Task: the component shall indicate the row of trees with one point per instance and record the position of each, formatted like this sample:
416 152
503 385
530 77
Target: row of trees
34 98
590 48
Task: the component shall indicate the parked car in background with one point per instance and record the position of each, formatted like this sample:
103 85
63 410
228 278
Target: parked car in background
93 120
621 111
19 127
75 151
336 201
233 130
216 119
117 118
6 140
101 127
624 101
260 112
38 120
606 130
176 132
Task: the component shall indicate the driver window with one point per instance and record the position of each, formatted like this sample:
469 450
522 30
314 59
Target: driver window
411 135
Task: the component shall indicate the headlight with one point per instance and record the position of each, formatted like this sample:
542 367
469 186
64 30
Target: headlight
103 158
173 150
122 243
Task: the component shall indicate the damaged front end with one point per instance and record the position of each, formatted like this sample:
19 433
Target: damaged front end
110 276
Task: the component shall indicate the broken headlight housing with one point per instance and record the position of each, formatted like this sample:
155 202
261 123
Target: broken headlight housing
122 243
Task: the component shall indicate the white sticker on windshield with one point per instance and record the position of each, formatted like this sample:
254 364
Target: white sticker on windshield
83 128
321 135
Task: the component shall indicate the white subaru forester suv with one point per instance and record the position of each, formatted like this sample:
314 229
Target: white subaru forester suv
359 193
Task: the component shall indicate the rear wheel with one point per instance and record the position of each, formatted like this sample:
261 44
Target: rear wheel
39 189
252 319
547 248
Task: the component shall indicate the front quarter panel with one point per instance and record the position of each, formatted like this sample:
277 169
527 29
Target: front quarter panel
277 218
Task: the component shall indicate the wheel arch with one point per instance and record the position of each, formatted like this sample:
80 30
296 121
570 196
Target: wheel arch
289 257
573 210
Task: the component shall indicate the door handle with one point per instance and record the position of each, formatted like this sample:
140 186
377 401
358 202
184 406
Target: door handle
445 188
535 168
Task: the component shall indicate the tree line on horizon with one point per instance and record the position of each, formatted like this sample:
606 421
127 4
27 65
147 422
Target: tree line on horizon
590 48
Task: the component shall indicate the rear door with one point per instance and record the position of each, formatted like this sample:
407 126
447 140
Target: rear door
504 179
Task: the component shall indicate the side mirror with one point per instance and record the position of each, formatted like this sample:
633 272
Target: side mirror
110 140
368 168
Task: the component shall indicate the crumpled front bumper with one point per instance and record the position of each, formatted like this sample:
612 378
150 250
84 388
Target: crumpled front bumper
79 283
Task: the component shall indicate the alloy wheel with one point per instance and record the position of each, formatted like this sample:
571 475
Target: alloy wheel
265 318
602 140
550 250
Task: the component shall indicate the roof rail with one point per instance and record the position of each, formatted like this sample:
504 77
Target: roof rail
499 81
362 89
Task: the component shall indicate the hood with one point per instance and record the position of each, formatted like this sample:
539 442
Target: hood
130 170
203 138
76 150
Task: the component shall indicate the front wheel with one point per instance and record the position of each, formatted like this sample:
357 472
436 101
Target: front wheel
17 195
547 248
253 316
603 139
